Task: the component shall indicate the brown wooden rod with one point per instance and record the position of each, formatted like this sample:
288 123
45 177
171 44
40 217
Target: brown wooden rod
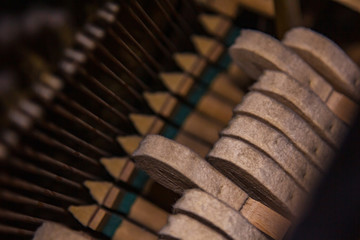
193 9
142 63
78 107
170 57
15 231
181 35
153 24
191 74
96 98
118 39
158 31
119 80
10 215
179 31
148 56
30 168
192 6
49 160
21 184
16 198
181 20
64 113
43 90
98 34
89 44
160 46
52 127
122 66
62 132
55 143
95 81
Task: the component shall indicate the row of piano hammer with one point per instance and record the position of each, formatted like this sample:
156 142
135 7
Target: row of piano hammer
256 180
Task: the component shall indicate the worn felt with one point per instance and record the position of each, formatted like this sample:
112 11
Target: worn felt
276 146
186 228
55 231
179 168
304 102
217 215
291 124
259 175
327 58
255 51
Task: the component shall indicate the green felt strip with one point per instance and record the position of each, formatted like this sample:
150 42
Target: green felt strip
232 35
224 61
196 94
169 132
140 179
181 114
209 74
126 203
112 224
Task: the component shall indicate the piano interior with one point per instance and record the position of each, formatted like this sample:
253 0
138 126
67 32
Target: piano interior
178 119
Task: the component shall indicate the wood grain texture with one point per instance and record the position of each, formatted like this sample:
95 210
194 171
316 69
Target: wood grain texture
265 219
